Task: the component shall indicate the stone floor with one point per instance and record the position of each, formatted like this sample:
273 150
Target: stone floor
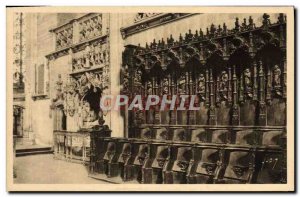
44 169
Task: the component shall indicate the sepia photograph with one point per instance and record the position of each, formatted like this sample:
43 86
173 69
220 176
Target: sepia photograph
147 98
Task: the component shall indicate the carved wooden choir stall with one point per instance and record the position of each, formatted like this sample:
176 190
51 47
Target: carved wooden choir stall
238 135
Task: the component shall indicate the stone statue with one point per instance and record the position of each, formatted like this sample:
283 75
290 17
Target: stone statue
276 76
181 85
89 117
138 77
149 88
223 84
165 86
201 83
277 80
247 80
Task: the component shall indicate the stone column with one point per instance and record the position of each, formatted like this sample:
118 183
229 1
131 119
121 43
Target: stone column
115 49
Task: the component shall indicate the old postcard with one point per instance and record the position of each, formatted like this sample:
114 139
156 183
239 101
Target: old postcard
150 99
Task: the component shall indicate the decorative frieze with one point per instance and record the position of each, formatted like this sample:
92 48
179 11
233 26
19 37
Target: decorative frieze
145 21
94 55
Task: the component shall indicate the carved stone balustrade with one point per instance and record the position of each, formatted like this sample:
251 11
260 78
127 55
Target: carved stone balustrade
77 146
90 26
63 36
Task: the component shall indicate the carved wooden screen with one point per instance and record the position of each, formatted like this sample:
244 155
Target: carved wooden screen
238 75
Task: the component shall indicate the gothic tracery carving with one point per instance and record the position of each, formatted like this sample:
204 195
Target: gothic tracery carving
90 27
219 75
64 37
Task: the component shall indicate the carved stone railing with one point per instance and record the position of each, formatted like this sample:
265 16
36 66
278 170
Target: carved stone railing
64 36
90 26
77 32
75 146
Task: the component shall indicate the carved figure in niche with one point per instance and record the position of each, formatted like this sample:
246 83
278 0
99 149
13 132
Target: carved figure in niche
165 86
86 55
98 54
89 116
125 77
80 63
223 84
70 104
106 56
201 83
138 77
59 92
181 85
95 80
91 57
201 86
248 83
83 84
276 76
149 88
276 79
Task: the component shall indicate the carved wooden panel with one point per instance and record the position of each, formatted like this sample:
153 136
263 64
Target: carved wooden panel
238 75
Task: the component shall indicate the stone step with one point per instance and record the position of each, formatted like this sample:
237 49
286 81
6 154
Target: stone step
33 151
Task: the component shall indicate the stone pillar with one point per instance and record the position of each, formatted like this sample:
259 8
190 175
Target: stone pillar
115 48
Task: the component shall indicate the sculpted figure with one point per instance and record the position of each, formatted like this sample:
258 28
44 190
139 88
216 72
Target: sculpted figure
181 85
165 86
138 77
201 83
149 88
248 83
276 75
223 84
